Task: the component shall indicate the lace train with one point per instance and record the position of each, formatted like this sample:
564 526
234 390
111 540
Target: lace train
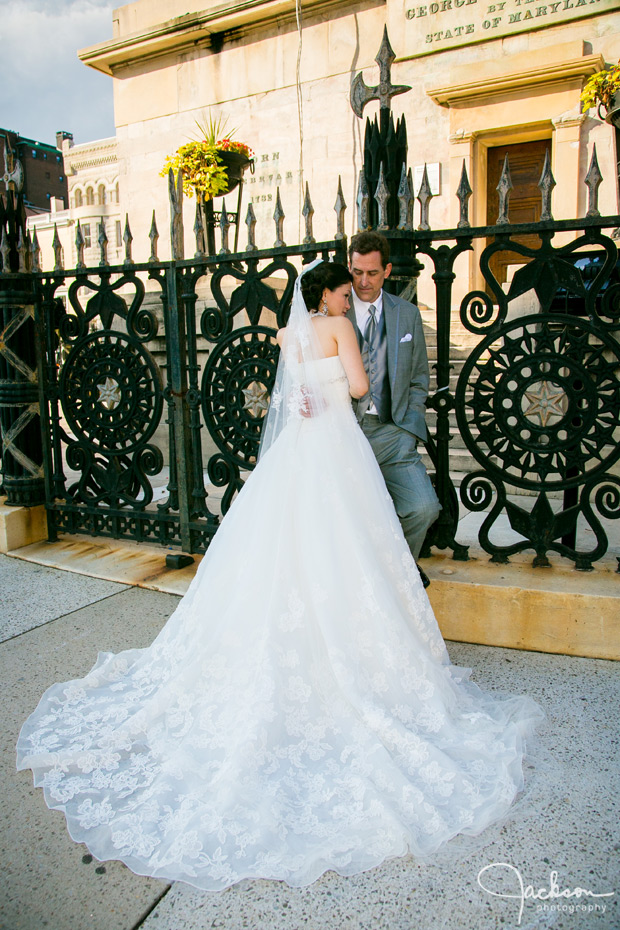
298 712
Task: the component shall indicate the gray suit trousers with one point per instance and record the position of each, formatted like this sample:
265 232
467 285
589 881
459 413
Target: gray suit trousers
410 487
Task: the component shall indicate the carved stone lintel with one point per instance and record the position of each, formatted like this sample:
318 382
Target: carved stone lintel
568 120
463 135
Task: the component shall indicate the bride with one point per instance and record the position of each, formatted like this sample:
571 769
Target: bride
298 712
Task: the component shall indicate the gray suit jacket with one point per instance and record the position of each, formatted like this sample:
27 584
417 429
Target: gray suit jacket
407 364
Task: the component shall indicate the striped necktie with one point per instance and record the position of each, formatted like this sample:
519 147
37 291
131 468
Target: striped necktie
371 326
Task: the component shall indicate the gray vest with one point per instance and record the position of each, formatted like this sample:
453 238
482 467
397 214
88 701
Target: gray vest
374 357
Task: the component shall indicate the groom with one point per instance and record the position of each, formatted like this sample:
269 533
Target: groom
389 331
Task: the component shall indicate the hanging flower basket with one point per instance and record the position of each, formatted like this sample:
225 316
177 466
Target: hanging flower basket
613 110
211 166
235 163
603 90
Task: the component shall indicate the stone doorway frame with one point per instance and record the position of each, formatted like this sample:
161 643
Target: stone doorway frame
521 101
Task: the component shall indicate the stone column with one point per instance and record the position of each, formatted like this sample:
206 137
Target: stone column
565 165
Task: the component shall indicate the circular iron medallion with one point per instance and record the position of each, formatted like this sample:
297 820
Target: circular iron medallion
111 392
538 401
236 386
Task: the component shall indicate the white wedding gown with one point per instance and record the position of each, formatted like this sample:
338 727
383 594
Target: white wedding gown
298 712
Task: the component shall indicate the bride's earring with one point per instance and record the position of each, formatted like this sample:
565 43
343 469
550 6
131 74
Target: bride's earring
323 310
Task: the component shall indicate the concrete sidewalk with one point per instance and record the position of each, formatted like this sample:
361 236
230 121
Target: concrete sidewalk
52 626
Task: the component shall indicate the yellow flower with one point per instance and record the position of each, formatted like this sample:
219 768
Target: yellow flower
600 87
201 167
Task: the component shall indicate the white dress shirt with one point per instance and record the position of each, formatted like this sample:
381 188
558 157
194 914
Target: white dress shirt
362 315
362 310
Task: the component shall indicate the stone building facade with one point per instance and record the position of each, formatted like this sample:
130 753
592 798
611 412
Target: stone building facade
93 193
487 79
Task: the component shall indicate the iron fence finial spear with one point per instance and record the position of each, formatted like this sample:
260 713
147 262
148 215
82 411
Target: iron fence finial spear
13 173
361 94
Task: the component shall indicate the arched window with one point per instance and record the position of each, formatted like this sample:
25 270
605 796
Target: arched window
101 194
78 198
90 196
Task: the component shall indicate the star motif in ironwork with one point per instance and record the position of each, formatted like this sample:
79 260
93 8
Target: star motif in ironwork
545 402
256 399
109 393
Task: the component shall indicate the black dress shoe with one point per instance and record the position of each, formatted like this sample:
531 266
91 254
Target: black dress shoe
423 576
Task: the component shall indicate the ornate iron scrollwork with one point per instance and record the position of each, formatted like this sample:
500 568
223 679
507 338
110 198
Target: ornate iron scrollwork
111 395
537 405
253 294
236 386
537 402
111 392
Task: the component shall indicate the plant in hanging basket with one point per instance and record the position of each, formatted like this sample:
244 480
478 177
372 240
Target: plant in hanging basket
601 88
212 165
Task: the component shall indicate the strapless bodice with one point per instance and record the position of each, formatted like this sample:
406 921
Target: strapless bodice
331 375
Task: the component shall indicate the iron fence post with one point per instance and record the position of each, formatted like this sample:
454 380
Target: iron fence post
22 452
178 386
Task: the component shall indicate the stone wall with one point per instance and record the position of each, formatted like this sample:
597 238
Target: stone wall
176 61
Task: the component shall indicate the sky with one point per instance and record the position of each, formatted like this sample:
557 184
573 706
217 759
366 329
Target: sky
44 87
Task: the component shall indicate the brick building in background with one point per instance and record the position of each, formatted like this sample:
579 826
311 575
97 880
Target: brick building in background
42 166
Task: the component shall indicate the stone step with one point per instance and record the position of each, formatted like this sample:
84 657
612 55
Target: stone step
459 343
458 355
452 382
459 335
476 601
456 440
461 460
431 422
458 476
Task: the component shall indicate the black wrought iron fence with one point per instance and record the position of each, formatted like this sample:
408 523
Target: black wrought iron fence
536 404
109 409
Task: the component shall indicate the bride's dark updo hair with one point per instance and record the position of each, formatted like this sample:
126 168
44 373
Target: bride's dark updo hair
328 275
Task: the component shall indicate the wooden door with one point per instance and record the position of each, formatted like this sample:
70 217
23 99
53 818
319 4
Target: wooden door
526 164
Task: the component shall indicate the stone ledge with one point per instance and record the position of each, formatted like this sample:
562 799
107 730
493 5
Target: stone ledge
554 610
138 564
20 526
